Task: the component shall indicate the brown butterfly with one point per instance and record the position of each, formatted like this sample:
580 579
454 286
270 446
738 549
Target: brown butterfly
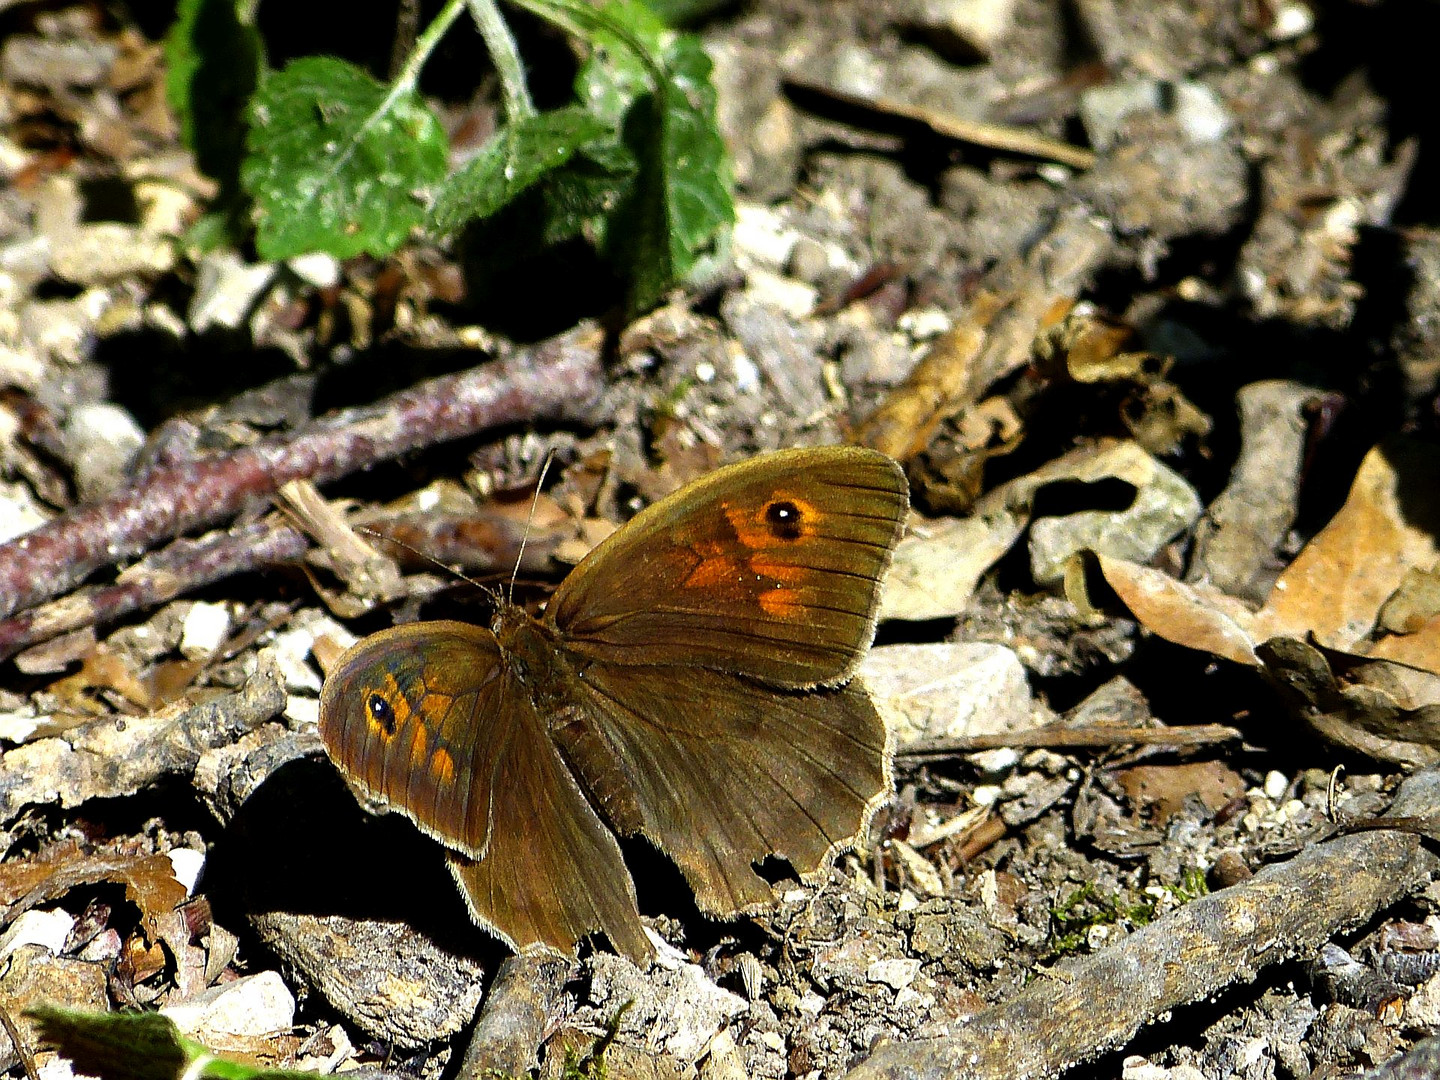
687 682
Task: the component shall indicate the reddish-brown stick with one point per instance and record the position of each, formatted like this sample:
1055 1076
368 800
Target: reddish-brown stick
556 379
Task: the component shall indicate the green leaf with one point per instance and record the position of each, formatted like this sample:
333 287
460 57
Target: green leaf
590 186
680 12
338 163
139 1046
627 44
213 61
681 202
520 154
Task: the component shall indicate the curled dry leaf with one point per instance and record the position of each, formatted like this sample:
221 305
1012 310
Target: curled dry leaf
1316 632
938 563
940 386
149 881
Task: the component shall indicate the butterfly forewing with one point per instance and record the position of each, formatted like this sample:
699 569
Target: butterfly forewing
429 719
422 737
772 573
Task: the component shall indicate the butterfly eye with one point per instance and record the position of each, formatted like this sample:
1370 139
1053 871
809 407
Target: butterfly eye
382 713
784 520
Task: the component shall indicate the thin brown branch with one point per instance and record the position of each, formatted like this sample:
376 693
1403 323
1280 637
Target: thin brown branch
1101 1000
1063 738
182 567
556 379
948 125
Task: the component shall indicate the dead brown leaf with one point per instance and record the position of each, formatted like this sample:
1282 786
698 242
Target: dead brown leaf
149 881
941 385
1163 789
1314 634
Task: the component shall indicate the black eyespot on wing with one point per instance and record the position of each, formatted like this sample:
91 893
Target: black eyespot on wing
783 517
382 713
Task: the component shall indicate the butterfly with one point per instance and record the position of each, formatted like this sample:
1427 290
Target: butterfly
689 682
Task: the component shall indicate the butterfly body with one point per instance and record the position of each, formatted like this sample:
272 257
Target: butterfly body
688 682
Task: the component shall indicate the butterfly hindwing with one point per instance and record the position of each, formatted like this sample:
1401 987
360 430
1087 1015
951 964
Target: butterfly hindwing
721 772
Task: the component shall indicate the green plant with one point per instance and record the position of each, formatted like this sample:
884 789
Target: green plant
321 156
139 1046
1072 918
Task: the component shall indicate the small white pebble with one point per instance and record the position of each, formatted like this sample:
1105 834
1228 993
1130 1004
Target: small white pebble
996 762
253 1005
925 324
705 371
1276 784
895 973
316 268
1136 1067
48 929
186 864
747 374
204 630
1291 21
986 795
17 727
302 711
292 655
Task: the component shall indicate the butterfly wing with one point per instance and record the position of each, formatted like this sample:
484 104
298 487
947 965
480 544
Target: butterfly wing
770 568
721 772
428 719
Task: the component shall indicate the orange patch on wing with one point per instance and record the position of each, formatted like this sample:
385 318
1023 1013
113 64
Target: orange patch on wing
716 567
782 603
787 573
419 746
442 764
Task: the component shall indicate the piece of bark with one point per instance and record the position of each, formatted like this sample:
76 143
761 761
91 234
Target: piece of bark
1100 1001
119 755
1236 541
518 1013
557 379
385 977
1020 295
163 575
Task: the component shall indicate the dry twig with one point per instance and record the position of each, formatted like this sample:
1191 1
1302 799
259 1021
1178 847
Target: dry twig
1285 910
516 1016
1063 738
947 125
184 566
555 379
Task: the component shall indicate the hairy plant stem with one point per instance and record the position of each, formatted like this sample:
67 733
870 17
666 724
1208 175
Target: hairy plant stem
506 58
424 46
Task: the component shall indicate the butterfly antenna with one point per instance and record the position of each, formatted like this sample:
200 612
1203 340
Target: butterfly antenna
530 521
442 567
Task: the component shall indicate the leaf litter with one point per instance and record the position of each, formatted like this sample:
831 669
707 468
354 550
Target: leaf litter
1141 361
